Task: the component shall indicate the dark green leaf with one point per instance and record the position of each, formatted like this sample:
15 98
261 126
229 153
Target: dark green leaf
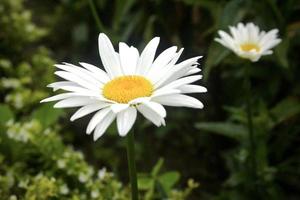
233 13
281 52
168 180
285 109
227 129
216 53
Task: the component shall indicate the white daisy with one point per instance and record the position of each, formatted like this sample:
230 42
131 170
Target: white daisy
248 42
130 83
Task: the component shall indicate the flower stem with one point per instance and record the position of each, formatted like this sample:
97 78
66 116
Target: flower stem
96 16
252 146
131 165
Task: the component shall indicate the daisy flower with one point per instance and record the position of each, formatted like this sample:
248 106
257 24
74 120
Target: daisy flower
248 42
131 82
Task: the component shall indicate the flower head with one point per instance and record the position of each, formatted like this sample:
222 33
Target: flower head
130 83
248 42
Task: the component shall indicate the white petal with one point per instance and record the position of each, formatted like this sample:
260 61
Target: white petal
174 72
99 73
103 125
147 57
226 39
176 57
125 120
156 107
74 102
243 32
59 97
128 58
76 79
58 85
85 110
78 89
150 115
164 91
193 70
183 81
97 118
162 60
139 100
192 89
268 36
268 52
108 56
118 107
271 44
234 33
178 100
158 74
80 72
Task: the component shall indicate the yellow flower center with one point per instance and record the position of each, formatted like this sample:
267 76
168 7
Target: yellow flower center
250 46
126 88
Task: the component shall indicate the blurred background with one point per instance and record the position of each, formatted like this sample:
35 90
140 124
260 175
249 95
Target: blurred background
200 154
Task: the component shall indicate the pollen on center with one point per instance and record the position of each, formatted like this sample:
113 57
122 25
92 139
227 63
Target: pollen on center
249 47
126 88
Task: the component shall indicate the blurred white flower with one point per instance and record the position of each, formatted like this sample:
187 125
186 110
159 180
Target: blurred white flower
83 177
130 83
95 194
248 42
64 189
61 163
102 173
13 197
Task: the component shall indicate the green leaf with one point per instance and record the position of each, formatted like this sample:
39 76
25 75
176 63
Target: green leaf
236 178
212 6
235 131
145 183
281 52
157 167
149 31
47 115
284 110
5 114
233 13
216 53
168 180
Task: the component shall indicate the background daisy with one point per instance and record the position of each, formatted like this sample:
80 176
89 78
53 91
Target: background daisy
248 42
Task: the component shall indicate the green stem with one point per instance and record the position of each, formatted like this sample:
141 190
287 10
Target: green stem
96 16
252 146
131 165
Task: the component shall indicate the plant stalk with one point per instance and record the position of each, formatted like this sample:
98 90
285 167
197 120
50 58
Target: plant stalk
131 165
96 16
252 146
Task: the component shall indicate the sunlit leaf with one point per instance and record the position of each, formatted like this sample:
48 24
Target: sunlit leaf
47 115
157 167
5 114
145 183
